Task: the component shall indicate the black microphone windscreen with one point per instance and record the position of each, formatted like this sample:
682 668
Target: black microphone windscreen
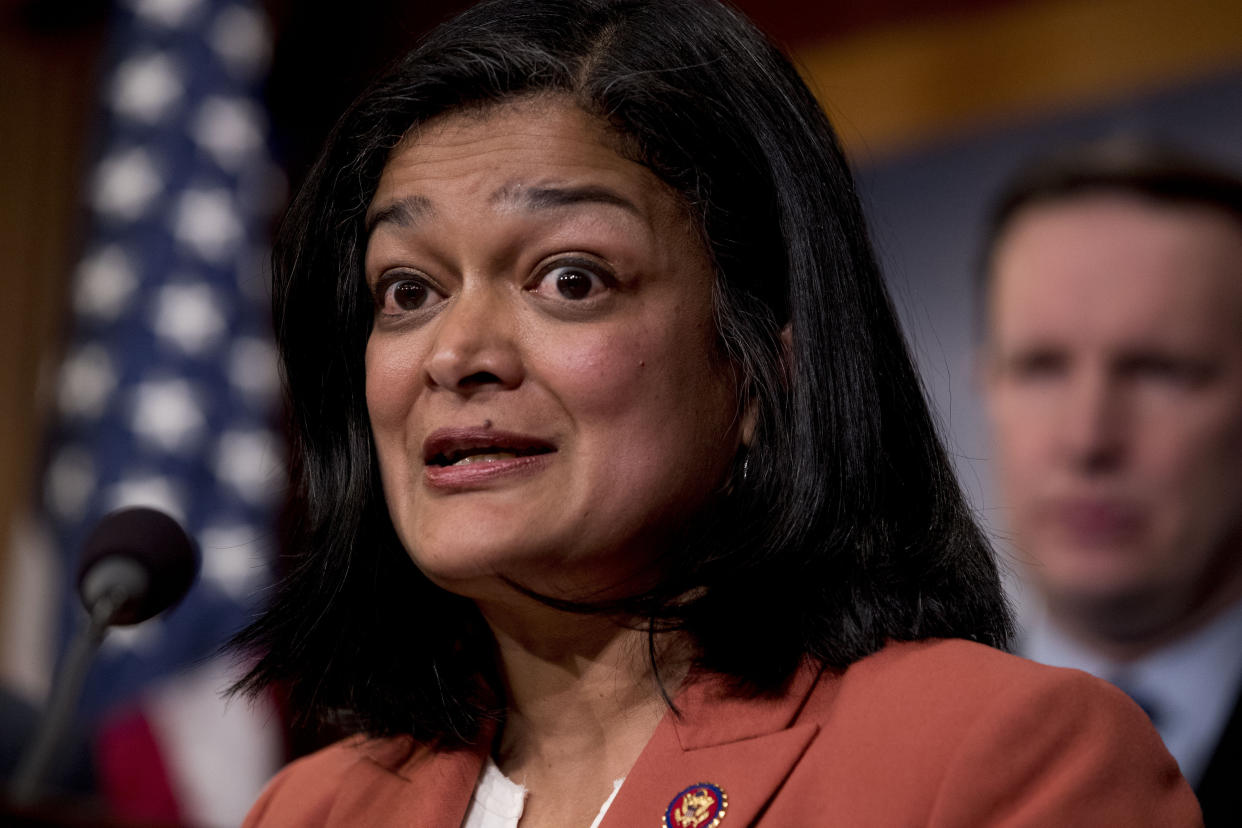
153 541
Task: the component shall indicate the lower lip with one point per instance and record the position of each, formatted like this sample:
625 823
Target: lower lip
483 472
1099 524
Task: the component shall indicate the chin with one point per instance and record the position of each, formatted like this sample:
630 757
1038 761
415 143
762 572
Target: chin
496 572
506 575
1121 607
1064 562
448 563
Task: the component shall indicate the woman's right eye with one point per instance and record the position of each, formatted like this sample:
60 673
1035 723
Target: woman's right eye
402 295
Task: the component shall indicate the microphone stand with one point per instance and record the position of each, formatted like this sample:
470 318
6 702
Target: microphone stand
66 690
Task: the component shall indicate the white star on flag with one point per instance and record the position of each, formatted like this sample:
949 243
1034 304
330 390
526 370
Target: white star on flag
230 130
167 414
147 87
138 637
207 222
241 38
104 282
87 380
248 461
170 13
189 316
125 184
153 490
234 558
253 369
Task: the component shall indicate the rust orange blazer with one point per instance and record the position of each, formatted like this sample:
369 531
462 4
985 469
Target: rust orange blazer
944 733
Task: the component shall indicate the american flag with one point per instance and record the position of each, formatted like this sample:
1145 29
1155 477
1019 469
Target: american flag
167 391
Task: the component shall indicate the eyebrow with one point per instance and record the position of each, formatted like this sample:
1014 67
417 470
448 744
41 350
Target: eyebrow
551 197
403 212
408 211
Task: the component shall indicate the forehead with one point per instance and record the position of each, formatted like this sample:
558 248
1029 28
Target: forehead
493 154
1115 268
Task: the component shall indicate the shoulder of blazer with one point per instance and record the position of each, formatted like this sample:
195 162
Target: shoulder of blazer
358 780
930 733
969 735
305 789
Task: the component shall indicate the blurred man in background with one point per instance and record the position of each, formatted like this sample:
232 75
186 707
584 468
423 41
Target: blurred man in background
1112 371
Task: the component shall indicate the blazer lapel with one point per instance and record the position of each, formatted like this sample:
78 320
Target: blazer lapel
744 747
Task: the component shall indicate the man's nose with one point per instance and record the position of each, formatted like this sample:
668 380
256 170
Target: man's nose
475 346
1092 422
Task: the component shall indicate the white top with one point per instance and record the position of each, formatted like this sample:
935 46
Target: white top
1191 684
498 801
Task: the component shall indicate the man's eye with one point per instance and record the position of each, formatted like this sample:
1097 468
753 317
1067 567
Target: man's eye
572 282
1037 365
1187 372
403 295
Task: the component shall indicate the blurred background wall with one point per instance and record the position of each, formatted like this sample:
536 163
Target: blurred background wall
936 100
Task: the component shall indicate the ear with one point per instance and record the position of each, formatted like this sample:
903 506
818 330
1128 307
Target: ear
750 419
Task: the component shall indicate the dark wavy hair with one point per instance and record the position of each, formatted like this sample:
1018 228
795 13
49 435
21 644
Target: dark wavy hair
848 529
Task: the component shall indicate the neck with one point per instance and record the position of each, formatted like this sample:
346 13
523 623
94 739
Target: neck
579 688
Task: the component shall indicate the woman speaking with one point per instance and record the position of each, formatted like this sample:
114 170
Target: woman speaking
618 500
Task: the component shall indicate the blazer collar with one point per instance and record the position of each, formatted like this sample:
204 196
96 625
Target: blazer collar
712 715
744 747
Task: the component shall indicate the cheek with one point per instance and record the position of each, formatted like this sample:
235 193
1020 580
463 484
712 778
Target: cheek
389 388
644 383
1018 439
601 368
383 377
1196 505
597 372
1189 477
1193 457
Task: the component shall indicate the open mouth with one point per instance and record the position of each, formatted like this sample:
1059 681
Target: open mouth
453 448
483 454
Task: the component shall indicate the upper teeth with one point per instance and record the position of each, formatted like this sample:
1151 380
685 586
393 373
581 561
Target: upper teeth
486 458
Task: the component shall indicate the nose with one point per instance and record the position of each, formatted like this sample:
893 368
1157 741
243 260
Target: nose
475 346
1092 422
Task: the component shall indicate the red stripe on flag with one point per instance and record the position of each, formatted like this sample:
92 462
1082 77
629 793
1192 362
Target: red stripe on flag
132 776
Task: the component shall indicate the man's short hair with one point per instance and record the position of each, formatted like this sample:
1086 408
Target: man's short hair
1140 167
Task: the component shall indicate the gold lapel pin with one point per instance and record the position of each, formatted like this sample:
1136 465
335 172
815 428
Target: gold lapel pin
702 805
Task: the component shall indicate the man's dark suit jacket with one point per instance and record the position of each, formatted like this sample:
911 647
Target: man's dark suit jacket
1220 790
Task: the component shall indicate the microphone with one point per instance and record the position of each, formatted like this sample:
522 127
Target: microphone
136 563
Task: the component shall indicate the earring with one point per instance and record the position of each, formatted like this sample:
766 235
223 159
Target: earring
745 467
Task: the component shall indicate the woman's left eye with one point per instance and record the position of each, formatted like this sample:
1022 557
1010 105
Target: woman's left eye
405 293
570 281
